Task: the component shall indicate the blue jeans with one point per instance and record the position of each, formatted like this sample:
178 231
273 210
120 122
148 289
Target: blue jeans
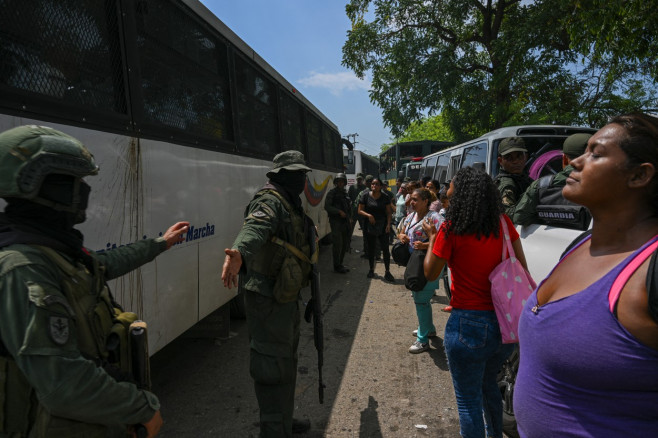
424 311
475 354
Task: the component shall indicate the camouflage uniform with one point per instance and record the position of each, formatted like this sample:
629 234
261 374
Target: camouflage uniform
273 325
57 376
511 188
525 211
337 201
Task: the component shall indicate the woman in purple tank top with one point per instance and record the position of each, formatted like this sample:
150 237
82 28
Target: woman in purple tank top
589 361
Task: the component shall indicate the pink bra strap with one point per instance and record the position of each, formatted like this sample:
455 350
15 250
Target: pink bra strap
628 271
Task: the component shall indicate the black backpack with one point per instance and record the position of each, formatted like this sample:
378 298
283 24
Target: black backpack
555 209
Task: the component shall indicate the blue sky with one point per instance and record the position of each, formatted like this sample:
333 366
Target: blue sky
302 40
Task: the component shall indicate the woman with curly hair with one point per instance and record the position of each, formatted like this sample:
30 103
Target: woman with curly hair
471 241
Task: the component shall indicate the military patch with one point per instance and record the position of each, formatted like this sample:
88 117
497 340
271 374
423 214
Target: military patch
58 328
259 214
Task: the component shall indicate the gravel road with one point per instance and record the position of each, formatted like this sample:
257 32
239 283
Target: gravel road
375 388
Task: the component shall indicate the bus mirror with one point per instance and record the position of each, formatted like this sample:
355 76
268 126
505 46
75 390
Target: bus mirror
350 156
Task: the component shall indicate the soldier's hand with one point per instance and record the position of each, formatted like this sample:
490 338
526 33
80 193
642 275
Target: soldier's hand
152 426
176 233
232 264
342 214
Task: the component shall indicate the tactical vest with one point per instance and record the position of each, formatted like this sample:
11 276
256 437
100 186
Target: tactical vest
341 201
555 209
284 268
102 336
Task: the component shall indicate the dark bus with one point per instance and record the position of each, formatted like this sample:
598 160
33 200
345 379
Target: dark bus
392 161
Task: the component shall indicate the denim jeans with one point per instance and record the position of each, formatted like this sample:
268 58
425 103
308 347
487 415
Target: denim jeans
475 354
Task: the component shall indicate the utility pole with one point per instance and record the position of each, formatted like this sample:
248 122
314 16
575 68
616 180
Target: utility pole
354 136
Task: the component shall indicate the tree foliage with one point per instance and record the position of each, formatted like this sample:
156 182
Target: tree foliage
487 64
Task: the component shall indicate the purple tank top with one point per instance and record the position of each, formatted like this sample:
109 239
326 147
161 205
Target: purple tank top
582 374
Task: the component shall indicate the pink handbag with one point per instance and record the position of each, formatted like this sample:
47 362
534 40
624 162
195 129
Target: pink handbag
511 285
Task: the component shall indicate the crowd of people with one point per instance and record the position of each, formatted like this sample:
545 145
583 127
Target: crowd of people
588 333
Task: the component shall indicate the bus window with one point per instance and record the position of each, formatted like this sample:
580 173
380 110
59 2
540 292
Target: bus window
291 121
441 171
329 147
475 154
455 161
257 109
428 166
314 137
184 75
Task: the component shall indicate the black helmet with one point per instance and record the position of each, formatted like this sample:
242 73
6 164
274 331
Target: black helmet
340 176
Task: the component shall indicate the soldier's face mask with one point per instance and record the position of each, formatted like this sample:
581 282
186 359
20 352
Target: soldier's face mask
66 193
293 181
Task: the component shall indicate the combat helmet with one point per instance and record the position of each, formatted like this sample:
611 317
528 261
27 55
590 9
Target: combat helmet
340 176
29 154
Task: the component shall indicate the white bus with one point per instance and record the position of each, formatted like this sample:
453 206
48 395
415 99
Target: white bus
542 244
361 163
183 119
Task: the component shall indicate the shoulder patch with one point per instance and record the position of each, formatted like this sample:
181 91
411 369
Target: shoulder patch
58 328
262 212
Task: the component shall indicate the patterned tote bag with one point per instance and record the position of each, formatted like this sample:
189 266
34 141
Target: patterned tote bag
511 285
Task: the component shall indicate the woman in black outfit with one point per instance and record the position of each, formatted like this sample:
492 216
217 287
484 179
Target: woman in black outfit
375 206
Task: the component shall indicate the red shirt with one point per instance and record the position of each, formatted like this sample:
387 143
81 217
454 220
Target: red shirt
471 261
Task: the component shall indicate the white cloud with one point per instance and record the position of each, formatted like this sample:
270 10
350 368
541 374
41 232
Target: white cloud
336 83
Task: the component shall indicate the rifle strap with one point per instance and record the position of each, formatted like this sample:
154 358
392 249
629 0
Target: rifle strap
295 251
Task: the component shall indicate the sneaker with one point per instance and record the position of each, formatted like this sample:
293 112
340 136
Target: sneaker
341 269
300 426
417 347
364 256
429 335
389 277
447 309
371 274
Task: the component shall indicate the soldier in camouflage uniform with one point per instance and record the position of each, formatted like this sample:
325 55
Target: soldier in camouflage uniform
339 208
360 218
272 255
353 193
60 378
525 212
511 179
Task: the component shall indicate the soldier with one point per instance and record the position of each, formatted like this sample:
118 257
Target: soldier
63 373
547 190
339 207
353 193
360 218
511 179
273 254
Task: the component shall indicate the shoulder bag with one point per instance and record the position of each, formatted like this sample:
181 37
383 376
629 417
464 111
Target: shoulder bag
511 285
414 275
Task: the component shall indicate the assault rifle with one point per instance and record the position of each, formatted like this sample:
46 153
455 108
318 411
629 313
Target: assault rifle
314 307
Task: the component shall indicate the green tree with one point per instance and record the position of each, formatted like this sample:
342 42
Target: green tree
428 128
483 65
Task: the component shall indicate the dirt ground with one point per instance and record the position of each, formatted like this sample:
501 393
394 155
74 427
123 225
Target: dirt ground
375 388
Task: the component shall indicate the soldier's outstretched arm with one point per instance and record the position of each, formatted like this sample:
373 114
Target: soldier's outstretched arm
120 261
260 223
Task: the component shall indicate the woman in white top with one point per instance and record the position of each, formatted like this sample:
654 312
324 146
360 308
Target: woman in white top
412 233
